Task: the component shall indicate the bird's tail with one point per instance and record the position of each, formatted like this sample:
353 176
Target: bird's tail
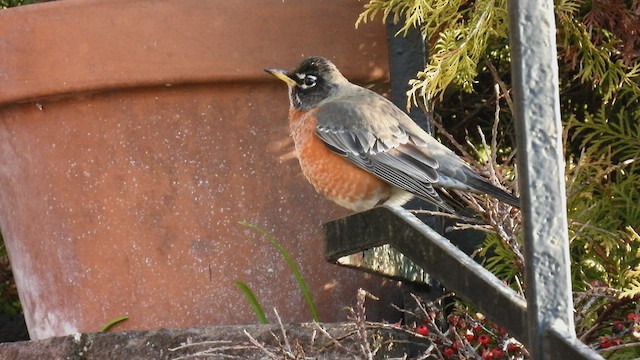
483 186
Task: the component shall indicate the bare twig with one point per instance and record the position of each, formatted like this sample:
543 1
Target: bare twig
445 133
494 135
258 345
411 313
503 86
217 348
428 309
359 319
334 341
201 343
448 215
492 151
479 227
611 307
217 351
284 333
622 346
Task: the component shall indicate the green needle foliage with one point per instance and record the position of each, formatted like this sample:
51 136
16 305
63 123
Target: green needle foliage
458 35
610 133
598 42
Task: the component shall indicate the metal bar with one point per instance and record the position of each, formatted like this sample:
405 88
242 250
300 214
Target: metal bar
541 174
560 345
425 247
407 56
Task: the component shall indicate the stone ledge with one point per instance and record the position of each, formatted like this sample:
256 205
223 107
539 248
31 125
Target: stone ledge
155 344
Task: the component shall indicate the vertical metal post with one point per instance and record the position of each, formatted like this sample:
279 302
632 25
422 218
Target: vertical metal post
540 157
407 56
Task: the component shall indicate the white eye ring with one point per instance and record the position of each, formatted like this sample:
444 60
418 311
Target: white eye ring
308 81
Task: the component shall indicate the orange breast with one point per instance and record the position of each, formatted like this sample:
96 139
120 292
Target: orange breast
331 174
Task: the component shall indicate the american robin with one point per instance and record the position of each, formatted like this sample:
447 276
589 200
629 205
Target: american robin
360 150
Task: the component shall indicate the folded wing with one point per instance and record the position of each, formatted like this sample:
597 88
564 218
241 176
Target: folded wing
383 147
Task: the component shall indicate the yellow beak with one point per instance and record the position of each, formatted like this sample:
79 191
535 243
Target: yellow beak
281 74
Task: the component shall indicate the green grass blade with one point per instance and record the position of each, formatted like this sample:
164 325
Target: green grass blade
292 266
253 301
113 322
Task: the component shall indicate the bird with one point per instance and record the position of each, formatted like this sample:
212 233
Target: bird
360 150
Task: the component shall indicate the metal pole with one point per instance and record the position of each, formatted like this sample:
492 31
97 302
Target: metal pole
407 56
540 158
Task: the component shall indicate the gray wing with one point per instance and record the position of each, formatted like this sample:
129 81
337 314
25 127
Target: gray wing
387 146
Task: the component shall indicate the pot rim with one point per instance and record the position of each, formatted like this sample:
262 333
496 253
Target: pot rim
56 49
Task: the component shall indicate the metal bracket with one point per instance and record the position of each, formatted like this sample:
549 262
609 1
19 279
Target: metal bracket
427 249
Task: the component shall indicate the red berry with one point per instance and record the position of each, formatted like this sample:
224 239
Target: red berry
617 327
499 329
617 342
454 346
631 316
448 351
497 353
423 330
605 342
484 339
470 336
487 355
513 347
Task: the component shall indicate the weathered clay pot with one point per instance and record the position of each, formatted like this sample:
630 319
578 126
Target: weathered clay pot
135 135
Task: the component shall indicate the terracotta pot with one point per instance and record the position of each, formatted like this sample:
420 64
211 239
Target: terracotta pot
135 135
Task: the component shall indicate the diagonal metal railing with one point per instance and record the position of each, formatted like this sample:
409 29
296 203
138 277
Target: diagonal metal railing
543 321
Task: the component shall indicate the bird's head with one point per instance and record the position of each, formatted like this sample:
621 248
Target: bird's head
313 81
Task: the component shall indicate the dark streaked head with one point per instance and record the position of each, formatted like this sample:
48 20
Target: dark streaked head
314 80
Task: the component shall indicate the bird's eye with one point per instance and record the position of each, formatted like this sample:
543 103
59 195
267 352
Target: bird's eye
307 81
310 81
